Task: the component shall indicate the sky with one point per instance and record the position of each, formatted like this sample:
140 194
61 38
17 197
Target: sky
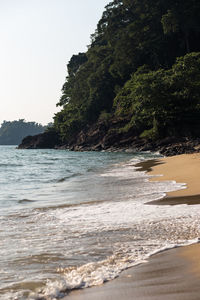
37 39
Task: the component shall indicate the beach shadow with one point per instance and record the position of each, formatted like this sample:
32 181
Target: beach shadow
176 200
146 166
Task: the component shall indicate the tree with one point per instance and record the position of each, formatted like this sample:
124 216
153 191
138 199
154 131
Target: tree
110 78
163 102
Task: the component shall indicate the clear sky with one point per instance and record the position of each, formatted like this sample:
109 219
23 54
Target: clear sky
37 39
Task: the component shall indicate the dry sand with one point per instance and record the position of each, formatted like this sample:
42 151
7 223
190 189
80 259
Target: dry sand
170 275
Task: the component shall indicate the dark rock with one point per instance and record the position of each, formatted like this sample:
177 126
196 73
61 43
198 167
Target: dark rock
101 136
167 141
110 139
46 140
147 147
97 147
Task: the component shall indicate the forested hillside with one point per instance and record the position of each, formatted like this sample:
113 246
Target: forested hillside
139 78
12 133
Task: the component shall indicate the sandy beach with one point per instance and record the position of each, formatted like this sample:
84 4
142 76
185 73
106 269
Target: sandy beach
183 169
169 275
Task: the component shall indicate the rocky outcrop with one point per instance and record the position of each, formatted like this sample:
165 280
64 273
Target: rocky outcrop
46 140
102 136
175 146
168 146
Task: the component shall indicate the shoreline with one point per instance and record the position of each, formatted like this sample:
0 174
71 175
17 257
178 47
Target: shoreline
173 274
184 169
157 167
169 275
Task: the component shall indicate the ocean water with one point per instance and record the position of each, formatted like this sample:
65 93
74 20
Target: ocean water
74 220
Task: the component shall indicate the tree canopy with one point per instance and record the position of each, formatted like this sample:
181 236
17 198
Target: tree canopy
143 64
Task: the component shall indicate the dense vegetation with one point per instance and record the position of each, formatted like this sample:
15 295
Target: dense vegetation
12 133
142 67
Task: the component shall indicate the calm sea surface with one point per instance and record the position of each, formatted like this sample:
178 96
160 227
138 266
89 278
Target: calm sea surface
73 220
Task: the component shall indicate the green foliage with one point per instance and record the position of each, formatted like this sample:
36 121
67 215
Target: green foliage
105 117
12 133
127 70
163 102
169 22
151 134
68 122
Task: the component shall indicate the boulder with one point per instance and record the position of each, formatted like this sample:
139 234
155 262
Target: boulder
46 140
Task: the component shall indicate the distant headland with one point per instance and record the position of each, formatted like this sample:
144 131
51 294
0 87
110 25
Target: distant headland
12 132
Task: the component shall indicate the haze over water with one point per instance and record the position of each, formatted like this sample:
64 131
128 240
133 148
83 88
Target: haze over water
72 220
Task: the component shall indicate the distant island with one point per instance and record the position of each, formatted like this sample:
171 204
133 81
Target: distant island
12 132
137 86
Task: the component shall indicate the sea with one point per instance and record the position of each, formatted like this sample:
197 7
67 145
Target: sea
73 220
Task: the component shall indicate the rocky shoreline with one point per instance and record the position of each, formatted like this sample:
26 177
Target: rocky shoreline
101 139
166 147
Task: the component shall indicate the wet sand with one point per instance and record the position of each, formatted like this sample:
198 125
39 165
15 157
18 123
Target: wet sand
183 169
170 275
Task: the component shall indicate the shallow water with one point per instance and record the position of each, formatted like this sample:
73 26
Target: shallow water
72 220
